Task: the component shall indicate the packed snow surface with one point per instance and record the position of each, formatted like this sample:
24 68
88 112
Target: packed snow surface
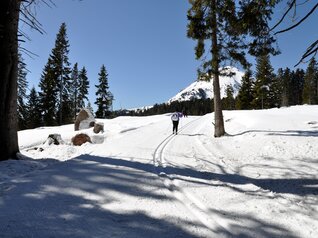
138 180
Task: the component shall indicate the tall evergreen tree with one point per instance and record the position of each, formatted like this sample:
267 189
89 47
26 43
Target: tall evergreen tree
83 88
310 95
62 72
74 88
262 95
48 94
104 97
34 118
22 94
56 83
224 24
245 95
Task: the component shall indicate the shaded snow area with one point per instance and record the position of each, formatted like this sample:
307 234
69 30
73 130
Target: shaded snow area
139 180
204 89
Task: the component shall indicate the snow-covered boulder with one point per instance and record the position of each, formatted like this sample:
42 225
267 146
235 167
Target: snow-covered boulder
55 139
84 120
98 127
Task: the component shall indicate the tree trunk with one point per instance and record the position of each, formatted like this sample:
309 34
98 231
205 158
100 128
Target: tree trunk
9 18
218 116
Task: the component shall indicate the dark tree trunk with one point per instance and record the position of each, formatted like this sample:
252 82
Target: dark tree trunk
9 18
218 115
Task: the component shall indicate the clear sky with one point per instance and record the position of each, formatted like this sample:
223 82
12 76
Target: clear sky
142 43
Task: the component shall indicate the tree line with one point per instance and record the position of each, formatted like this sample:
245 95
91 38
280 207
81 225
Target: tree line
63 90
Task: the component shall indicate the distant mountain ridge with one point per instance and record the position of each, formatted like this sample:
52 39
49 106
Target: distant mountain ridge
204 89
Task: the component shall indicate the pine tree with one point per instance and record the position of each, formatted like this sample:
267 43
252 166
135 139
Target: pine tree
22 95
83 88
62 72
104 97
297 87
48 94
56 84
245 95
310 95
228 102
33 118
74 88
285 87
263 85
224 25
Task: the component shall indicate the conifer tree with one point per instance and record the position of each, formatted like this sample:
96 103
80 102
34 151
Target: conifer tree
62 72
310 95
262 93
74 88
48 94
228 101
83 88
285 87
245 95
224 25
104 97
22 95
33 118
56 83
297 87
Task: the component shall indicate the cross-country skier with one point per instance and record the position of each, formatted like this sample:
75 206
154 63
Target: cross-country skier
175 121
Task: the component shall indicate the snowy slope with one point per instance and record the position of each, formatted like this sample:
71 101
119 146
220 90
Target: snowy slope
139 180
204 89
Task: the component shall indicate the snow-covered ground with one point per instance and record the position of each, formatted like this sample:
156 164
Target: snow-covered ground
139 180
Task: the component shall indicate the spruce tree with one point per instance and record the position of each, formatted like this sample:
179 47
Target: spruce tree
224 25
104 97
62 72
83 88
245 95
74 88
228 101
285 87
33 118
310 95
262 93
22 95
56 83
297 87
48 95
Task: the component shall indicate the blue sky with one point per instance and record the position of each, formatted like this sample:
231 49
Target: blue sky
142 43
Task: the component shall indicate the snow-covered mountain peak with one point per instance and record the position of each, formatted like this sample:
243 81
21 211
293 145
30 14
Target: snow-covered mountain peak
204 89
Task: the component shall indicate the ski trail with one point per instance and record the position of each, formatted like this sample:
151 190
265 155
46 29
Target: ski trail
189 200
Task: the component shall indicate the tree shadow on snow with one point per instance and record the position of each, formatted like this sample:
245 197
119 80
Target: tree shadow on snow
79 198
301 133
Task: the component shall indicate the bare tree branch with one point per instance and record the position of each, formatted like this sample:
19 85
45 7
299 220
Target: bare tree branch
285 14
298 23
311 50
